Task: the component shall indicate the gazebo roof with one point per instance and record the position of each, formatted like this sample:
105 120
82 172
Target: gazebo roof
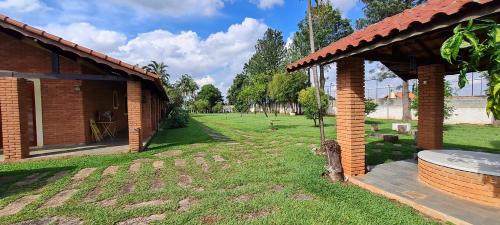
410 22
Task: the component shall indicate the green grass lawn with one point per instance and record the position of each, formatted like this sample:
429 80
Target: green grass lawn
268 177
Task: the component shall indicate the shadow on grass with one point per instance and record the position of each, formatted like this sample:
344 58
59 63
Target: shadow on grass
195 132
495 149
21 181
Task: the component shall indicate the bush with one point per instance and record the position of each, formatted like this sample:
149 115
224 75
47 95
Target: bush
177 118
370 106
307 98
218 107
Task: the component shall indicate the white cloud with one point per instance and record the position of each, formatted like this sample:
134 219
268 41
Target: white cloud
343 5
221 54
175 8
268 4
204 80
89 36
22 6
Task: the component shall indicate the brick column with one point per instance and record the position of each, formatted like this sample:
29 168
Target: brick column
431 105
351 115
14 115
134 104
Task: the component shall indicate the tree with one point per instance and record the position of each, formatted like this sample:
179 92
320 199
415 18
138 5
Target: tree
370 106
382 73
315 76
238 82
307 98
377 10
201 105
218 107
160 69
211 94
477 42
187 86
269 55
174 96
448 108
256 92
328 26
285 88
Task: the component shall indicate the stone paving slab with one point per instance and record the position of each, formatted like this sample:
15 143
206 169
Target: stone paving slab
82 174
110 170
30 179
18 205
59 199
145 204
135 167
52 220
399 179
180 163
144 220
168 154
218 158
158 165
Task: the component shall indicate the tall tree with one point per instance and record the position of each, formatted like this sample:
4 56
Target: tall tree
209 93
375 11
187 85
269 54
159 68
238 82
285 88
315 75
328 26
268 59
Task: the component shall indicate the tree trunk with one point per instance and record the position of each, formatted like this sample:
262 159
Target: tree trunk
322 77
406 101
314 73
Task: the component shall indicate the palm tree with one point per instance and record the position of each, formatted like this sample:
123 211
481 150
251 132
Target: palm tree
160 69
187 86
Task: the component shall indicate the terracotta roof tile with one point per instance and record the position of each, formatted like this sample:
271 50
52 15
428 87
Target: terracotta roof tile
421 14
37 33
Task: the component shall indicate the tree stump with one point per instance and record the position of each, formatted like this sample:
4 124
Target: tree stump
333 165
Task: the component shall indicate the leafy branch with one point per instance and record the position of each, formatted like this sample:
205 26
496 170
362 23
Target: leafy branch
471 44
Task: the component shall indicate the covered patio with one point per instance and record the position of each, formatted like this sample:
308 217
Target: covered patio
58 98
409 45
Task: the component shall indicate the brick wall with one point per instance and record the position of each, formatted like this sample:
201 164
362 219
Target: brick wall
351 115
146 113
431 104
63 113
22 57
471 186
98 97
134 102
14 118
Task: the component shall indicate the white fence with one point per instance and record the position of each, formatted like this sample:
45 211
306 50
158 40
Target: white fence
468 109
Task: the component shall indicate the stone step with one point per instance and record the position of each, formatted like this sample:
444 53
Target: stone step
59 199
18 205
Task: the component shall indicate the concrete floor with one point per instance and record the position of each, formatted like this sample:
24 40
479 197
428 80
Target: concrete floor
109 146
398 180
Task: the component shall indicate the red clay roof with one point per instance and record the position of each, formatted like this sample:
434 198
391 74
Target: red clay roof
421 14
37 33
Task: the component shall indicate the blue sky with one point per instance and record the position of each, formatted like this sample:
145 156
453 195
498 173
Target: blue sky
208 39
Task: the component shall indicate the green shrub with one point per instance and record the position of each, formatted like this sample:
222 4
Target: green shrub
370 106
177 118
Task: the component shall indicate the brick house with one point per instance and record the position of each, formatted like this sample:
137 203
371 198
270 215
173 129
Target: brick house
51 88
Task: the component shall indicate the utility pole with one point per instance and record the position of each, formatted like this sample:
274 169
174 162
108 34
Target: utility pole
315 72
